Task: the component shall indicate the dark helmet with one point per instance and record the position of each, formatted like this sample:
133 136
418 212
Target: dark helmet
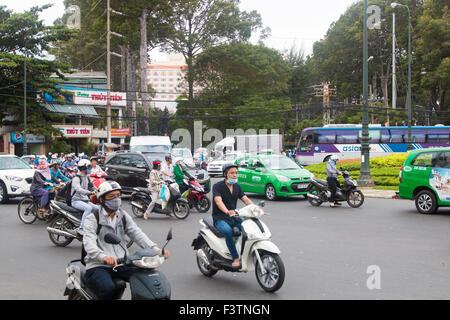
227 167
156 163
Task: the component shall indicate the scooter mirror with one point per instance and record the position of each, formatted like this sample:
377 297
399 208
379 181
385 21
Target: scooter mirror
262 204
169 235
111 238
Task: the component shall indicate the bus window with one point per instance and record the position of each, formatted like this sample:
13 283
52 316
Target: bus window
374 136
418 136
396 136
326 136
346 136
438 135
306 142
385 136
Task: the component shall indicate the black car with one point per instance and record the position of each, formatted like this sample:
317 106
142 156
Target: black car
132 168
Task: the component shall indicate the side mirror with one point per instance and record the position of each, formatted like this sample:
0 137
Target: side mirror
262 204
111 238
169 235
258 169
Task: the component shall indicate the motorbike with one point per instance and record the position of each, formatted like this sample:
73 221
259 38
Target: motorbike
141 198
319 192
147 283
196 196
63 224
28 208
97 179
253 242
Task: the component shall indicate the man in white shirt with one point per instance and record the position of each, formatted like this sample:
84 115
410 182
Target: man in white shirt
167 168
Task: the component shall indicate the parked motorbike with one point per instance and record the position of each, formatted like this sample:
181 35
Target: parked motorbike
147 283
141 198
196 196
63 224
319 192
257 251
28 208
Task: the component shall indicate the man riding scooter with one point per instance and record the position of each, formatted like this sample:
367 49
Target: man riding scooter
102 256
225 196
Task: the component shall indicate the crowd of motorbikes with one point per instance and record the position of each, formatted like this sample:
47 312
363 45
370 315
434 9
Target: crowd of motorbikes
253 240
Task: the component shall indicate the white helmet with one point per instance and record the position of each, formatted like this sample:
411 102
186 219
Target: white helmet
84 164
107 187
177 159
334 157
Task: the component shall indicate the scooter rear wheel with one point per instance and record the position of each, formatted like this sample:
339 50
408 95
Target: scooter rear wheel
206 270
139 213
181 210
63 224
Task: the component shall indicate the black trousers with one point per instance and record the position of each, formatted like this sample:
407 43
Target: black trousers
333 184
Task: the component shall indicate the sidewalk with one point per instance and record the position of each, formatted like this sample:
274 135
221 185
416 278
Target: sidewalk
375 193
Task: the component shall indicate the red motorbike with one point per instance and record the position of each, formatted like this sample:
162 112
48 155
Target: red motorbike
97 180
196 196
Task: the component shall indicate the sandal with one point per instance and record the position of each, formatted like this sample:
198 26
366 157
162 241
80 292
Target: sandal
145 216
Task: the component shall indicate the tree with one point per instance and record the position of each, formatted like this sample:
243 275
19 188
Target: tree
199 24
23 37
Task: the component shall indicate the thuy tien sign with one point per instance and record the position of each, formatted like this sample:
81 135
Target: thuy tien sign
98 97
74 131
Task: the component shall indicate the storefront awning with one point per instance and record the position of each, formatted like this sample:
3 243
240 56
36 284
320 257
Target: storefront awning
72 109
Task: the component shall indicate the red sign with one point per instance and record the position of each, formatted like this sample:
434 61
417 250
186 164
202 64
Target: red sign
120 132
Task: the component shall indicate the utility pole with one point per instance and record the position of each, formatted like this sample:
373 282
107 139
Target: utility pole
108 71
365 180
25 146
326 92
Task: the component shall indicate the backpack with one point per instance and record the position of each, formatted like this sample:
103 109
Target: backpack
66 192
99 226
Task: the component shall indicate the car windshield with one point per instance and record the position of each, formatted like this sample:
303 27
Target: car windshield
279 163
152 148
13 163
155 155
184 153
230 157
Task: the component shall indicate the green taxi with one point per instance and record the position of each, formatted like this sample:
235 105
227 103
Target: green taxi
424 178
272 175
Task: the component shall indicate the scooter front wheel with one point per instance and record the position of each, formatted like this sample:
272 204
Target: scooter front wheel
355 198
203 205
273 276
181 209
313 201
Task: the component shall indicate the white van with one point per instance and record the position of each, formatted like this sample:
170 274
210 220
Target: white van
160 144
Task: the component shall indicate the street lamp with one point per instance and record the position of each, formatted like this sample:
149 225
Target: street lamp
25 146
365 179
394 5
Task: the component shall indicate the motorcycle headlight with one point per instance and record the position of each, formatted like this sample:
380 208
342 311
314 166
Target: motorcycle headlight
149 262
282 178
14 178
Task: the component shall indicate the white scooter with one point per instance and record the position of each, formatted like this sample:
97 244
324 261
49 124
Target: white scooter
254 244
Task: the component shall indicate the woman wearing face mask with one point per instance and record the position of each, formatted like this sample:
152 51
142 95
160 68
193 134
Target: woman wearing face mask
154 186
81 191
225 196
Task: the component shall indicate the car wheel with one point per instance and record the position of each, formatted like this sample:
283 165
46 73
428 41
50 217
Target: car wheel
270 192
3 193
426 202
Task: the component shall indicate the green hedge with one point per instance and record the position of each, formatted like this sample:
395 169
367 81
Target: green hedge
384 170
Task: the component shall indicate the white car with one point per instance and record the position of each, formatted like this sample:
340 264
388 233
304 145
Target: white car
215 166
16 176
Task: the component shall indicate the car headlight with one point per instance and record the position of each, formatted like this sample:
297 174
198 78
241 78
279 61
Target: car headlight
13 178
312 176
282 178
149 262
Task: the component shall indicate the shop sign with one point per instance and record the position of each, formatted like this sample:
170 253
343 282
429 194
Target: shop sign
120 132
17 137
99 98
75 131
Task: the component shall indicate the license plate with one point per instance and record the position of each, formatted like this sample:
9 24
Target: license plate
302 186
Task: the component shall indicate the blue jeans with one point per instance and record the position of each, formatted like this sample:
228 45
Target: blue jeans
227 229
101 279
86 207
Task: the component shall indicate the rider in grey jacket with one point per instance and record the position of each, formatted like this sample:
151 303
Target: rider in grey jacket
332 174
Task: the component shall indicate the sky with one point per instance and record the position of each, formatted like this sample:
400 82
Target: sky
293 23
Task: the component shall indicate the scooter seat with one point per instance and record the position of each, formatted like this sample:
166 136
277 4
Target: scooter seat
324 182
142 189
210 223
64 206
